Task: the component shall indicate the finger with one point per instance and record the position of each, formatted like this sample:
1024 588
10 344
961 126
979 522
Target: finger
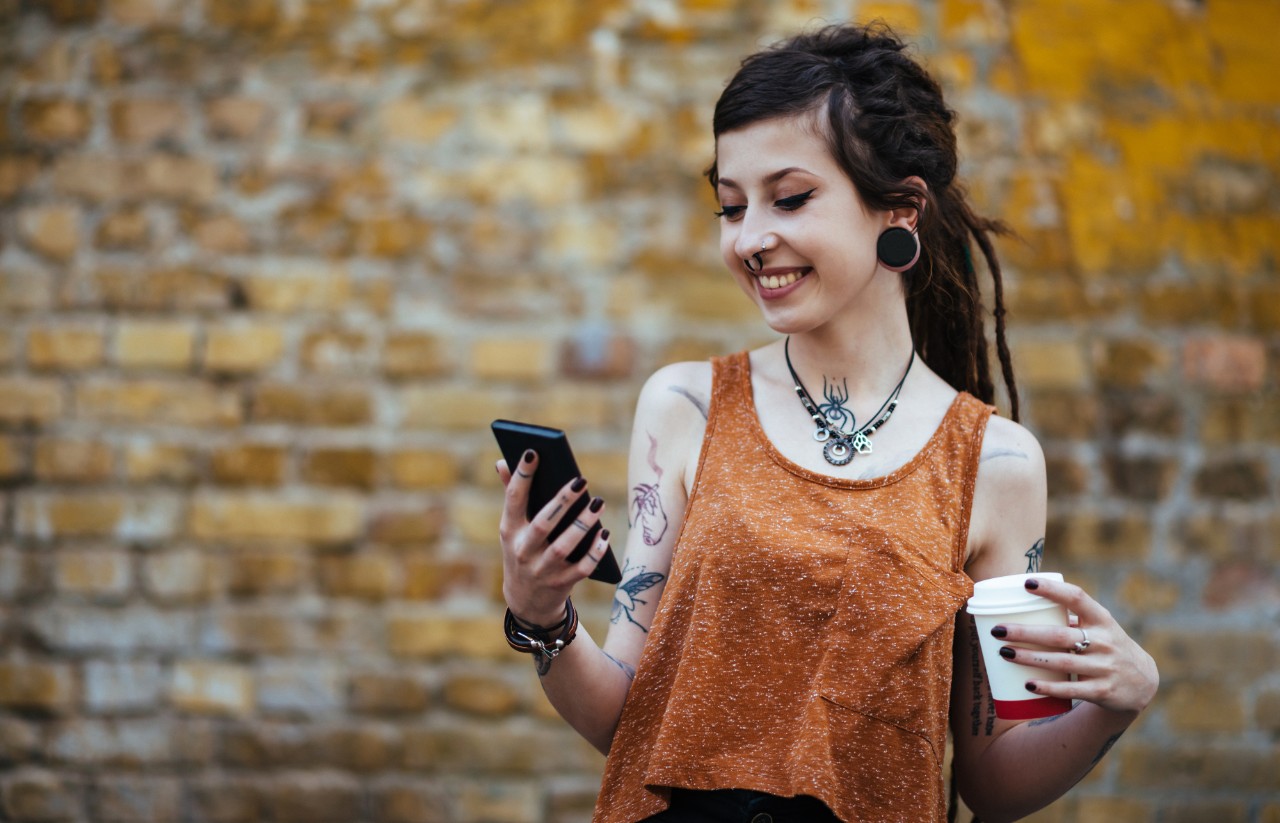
557 553
504 473
516 505
550 515
1049 637
1053 661
594 555
1076 599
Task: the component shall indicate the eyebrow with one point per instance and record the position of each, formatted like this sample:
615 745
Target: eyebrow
770 178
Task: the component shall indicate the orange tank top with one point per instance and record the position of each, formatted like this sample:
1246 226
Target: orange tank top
803 642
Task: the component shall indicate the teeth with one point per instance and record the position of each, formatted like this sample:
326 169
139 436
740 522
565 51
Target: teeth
774 281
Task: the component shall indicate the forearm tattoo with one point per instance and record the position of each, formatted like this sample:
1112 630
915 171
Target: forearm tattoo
627 669
980 699
646 505
626 598
1106 747
1034 555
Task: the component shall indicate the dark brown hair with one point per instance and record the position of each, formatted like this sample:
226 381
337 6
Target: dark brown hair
886 121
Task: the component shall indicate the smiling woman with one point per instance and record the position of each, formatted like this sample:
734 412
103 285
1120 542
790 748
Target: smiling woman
790 613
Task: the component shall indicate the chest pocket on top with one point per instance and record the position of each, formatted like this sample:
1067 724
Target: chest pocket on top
888 652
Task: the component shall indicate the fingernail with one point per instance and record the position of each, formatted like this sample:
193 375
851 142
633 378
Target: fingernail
1032 583
1031 686
999 631
579 484
528 455
596 504
604 535
1007 652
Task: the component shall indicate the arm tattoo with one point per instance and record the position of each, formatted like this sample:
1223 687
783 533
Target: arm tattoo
1040 721
626 597
1106 747
976 712
646 506
996 453
698 403
1034 555
628 670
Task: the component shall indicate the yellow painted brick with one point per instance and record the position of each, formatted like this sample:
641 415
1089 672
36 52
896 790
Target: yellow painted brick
1133 362
1114 810
56 119
367 576
236 118
153 402
155 345
28 400
529 359
13 458
51 230
147 120
317 287
65 460
265 572
483 695
424 469
903 17
203 687
411 120
93 572
341 467
327 519
249 464
147 461
32 685
312 405
243 349
414 354
335 350
1051 364
220 234
179 576
1203 707
173 177
64 348
476 517
146 13
454 408
437 634
418 527
1146 593
127 229
1246 56
575 407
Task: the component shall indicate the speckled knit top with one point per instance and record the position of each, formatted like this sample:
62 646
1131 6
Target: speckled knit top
803 643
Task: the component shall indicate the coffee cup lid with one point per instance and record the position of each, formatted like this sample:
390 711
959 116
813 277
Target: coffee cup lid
1008 594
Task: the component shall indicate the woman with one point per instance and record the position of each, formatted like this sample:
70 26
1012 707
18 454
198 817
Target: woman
789 635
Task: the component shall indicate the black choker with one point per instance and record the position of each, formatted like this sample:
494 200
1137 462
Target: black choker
840 447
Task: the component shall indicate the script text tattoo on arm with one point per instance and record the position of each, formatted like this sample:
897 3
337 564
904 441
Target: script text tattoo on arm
626 598
979 699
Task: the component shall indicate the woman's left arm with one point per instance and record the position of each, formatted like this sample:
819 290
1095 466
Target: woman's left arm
1006 770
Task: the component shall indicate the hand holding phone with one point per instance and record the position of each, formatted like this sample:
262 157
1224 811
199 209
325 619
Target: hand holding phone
556 467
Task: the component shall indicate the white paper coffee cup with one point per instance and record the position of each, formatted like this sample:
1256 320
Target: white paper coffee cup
1005 600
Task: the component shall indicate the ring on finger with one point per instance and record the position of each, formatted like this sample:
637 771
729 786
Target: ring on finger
1082 643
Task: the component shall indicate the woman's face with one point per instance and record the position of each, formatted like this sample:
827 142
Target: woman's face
780 186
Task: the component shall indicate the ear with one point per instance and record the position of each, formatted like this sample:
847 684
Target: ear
909 217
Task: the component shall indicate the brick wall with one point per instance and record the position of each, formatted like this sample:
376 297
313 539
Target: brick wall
268 268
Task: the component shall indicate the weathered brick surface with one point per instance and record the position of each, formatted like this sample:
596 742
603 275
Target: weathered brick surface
268 269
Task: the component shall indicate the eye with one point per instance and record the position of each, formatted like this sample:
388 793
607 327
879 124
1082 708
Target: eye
731 212
795 201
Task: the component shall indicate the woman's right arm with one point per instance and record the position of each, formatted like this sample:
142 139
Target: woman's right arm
586 683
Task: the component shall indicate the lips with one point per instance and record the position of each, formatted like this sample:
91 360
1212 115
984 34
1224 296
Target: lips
777 282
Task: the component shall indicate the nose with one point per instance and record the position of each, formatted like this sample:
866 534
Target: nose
752 237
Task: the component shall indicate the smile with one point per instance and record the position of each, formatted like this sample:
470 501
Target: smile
780 281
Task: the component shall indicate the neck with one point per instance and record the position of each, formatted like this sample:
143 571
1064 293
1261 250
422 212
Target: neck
871 359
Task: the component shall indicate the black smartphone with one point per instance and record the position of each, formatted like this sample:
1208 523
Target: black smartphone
556 467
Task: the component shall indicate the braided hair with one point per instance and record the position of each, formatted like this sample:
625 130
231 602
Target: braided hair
886 121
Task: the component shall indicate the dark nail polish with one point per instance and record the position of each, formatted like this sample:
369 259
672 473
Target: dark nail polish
999 631
596 504
1033 584
604 535
528 455
1031 686
1007 652
579 484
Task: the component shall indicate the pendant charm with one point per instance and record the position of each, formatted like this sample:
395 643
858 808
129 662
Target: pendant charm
861 443
822 435
837 451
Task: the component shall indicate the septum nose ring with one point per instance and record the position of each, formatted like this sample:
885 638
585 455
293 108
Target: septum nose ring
757 257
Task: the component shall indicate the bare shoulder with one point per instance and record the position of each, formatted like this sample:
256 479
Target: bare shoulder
1010 501
676 391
